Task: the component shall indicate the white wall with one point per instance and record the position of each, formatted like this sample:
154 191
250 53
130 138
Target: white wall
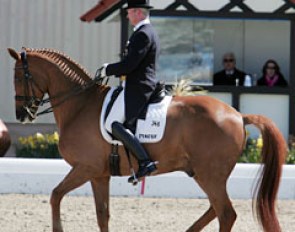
276 107
40 176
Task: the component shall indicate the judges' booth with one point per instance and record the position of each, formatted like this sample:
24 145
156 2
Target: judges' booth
195 34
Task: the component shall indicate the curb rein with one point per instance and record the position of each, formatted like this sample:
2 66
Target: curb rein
31 102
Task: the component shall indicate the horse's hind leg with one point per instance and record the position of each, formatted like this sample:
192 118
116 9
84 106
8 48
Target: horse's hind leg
224 209
100 187
75 178
220 207
204 220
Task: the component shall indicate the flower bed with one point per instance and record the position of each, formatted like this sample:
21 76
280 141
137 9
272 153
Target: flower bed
45 146
251 153
38 146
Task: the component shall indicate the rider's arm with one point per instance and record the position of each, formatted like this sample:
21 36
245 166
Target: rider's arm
137 50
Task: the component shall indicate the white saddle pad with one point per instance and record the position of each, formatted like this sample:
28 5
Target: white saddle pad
150 130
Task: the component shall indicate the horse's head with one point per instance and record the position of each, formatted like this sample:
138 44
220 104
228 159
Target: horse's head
28 93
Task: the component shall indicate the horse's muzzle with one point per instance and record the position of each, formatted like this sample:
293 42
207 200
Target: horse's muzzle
24 114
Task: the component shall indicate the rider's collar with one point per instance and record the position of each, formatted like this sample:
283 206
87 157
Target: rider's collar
141 23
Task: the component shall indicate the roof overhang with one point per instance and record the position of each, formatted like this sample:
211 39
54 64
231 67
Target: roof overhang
103 9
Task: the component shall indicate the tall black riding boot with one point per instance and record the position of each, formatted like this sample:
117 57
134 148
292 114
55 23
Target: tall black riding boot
146 166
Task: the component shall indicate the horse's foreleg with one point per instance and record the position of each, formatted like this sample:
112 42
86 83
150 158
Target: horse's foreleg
100 187
75 178
206 218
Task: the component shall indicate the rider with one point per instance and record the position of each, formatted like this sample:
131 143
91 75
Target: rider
138 65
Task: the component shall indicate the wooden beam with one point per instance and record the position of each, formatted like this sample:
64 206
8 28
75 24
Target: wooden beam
103 9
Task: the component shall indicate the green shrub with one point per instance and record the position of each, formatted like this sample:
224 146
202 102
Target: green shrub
38 146
252 152
291 155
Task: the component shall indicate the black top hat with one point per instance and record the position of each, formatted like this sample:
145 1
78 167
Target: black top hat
138 4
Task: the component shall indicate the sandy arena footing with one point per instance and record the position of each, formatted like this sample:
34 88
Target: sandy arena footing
31 213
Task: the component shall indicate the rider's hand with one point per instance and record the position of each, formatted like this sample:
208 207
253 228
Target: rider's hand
103 70
100 74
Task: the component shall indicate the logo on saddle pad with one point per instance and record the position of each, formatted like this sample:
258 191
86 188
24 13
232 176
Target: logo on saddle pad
148 130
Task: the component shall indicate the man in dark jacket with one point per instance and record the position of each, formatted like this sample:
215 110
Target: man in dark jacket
138 66
230 75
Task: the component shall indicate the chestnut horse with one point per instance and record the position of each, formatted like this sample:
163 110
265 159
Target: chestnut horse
204 137
5 140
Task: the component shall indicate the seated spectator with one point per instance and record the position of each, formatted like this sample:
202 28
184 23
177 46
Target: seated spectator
230 75
272 75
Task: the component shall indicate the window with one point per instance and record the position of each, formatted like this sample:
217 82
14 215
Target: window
186 48
192 47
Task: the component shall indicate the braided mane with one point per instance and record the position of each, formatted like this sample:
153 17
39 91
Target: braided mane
74 71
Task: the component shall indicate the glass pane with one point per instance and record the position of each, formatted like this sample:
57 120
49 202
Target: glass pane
186 49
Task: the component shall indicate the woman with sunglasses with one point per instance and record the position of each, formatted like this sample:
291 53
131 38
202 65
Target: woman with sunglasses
272 75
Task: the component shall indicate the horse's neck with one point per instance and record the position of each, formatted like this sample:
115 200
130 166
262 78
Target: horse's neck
80 106
66 103
62 77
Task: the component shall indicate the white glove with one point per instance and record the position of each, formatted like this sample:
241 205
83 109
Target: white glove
103 70
100 74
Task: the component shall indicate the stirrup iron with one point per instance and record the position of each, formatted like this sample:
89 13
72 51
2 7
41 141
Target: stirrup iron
135 180
136 177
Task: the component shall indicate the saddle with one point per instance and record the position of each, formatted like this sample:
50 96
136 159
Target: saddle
151 122
159 93
156 97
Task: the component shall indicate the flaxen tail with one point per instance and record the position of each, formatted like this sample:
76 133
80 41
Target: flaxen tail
273 157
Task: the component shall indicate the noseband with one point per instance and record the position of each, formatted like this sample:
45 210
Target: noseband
31 102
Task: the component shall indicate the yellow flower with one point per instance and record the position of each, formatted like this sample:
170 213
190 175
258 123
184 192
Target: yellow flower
30 139
22 140
32 144
55 137
259 143
39 137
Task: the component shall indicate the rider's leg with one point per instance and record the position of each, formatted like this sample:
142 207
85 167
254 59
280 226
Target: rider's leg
146 166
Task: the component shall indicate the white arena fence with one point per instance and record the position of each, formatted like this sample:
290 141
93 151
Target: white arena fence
40 176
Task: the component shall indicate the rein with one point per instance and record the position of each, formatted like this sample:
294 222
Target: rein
34 102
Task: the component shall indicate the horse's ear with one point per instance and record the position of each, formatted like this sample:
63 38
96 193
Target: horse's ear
13 53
